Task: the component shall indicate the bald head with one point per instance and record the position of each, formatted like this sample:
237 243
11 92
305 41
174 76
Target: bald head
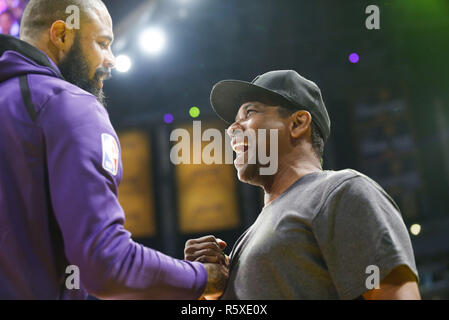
39 15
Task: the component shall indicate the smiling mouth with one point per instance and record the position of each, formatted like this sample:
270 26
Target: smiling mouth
240 147
241 150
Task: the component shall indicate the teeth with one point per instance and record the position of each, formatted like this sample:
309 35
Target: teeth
239 147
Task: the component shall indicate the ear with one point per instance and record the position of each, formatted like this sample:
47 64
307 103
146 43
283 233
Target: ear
300 124
61 37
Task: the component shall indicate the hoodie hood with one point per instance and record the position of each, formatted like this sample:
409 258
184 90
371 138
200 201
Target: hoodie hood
18 58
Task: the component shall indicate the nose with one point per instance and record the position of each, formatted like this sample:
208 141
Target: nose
109 61
231 131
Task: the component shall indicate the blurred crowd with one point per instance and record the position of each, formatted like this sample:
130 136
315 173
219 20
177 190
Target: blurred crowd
10 14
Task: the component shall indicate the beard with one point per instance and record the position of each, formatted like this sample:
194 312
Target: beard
75 69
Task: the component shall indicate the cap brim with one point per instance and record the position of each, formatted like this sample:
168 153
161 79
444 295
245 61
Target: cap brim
227 97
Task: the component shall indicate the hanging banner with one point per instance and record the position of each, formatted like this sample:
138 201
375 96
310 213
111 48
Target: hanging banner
136 190
207 199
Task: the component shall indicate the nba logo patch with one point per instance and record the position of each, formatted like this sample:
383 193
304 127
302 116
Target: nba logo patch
110 153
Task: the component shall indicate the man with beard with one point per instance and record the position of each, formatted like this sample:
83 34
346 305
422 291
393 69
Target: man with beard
60 169
321 234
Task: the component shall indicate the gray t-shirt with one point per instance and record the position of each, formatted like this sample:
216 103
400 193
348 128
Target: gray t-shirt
316 240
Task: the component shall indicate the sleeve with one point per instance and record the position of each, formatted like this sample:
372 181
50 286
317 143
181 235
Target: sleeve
83 193
358 227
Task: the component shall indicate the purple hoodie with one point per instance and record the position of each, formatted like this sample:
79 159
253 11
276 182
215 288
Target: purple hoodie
60 168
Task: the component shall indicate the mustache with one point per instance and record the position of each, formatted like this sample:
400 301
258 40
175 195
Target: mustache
104 73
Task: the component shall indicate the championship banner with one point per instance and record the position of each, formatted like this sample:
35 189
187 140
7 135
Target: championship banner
136 190
207 198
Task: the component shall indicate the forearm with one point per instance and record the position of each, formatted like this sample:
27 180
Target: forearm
123 269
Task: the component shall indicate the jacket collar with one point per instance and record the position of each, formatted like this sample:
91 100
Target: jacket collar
9 43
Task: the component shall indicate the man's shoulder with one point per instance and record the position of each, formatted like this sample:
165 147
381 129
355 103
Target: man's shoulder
47 89
313 191
328 181
350 180
348 183
57 98
354 178
353 187
335 178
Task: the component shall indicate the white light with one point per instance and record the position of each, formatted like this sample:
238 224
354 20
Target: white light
123 63
152 40
415 229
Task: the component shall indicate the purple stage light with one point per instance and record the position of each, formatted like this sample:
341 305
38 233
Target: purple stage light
354 58
168 118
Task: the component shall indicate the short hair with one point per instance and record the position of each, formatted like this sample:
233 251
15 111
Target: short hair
316 137
39 15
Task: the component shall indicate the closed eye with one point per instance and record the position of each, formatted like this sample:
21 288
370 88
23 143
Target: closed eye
103 45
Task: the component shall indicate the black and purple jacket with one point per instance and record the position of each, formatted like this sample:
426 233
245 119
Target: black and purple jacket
60 167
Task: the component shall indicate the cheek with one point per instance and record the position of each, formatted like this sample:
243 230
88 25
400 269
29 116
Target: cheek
268 124
281 139
94 58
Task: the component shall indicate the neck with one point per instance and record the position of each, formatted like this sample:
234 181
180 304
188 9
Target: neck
286 175
42 45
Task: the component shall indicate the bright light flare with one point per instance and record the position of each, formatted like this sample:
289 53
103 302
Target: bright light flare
123 63
415 229
152 40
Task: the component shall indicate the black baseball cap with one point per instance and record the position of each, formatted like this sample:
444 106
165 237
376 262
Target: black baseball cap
281 87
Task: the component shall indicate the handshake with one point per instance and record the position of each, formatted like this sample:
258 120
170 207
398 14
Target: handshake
209 251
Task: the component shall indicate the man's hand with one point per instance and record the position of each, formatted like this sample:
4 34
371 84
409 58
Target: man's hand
206 249
217 276
209 251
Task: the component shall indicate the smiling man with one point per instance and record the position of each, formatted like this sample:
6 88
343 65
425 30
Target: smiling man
320 233
60 168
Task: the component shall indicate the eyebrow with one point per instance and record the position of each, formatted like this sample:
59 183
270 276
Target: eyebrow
109 38
246 108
